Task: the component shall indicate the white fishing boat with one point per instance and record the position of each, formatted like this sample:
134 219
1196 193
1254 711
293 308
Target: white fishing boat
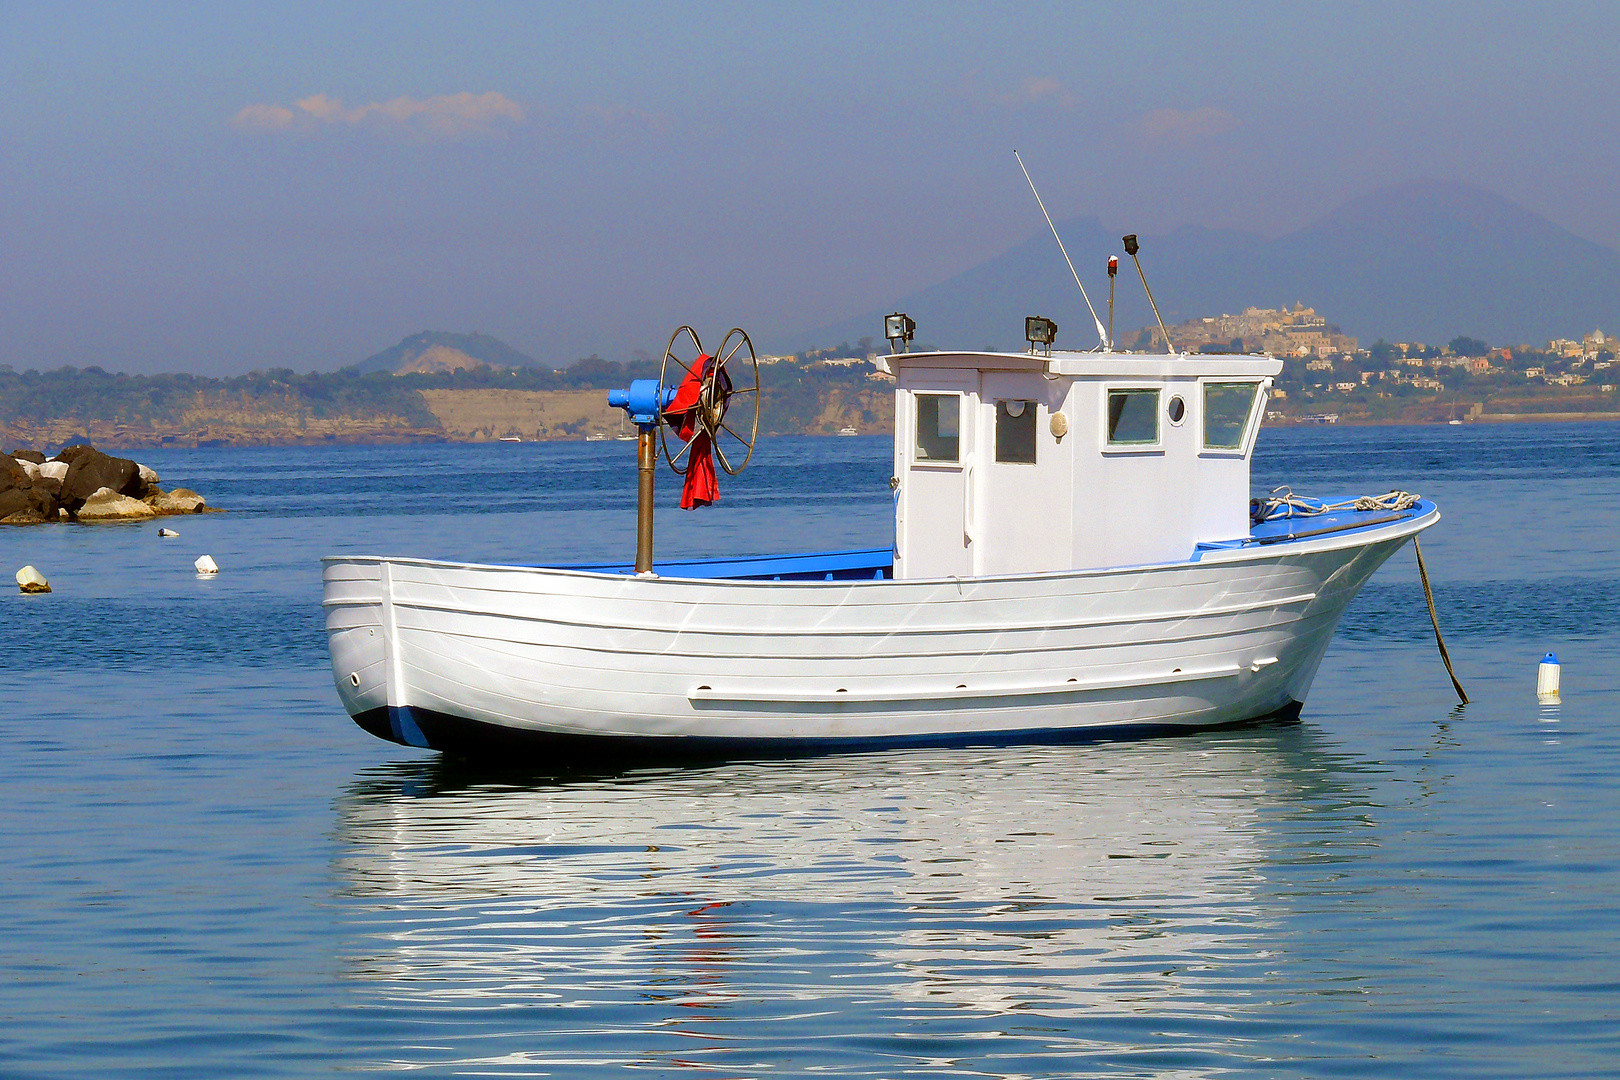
1074 552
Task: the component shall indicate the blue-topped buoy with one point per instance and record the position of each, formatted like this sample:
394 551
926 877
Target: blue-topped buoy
1547 677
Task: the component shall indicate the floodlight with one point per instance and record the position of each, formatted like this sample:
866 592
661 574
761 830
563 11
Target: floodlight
898 328
1039 331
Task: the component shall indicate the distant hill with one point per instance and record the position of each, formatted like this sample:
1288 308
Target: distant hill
434 351
1422 261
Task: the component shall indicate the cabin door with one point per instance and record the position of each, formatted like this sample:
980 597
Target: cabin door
935 442
1010 489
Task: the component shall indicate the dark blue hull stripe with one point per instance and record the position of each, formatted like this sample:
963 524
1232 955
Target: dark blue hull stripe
460 737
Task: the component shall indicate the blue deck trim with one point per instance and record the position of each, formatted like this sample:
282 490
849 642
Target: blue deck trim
1342 522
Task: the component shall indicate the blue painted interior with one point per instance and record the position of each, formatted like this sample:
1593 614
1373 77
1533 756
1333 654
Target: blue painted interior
877 564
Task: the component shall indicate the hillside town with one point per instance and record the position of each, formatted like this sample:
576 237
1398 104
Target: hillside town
1328 377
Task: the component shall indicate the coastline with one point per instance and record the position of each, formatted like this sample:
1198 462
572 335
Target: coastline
123 438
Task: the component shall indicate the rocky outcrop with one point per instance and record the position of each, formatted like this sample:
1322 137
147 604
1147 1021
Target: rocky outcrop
23 501
89 470
84 484
178 501
108 505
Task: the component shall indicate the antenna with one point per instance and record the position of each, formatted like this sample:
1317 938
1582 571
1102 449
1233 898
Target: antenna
1131 248
1101 333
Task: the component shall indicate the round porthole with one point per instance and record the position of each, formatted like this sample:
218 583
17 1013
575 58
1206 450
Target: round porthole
1177 410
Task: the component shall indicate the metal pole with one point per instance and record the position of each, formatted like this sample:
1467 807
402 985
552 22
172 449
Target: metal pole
1113 268
646 461
1100 333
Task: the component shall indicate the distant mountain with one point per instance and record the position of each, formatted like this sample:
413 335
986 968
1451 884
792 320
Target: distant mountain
437 350
1419 262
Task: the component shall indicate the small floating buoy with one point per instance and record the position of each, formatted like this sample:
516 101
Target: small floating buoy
167 532
31 580
206 565
1547 676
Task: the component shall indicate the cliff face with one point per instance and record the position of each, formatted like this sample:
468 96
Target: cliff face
270 413
220 419
473 415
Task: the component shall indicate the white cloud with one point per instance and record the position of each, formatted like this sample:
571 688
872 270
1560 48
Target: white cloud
445 116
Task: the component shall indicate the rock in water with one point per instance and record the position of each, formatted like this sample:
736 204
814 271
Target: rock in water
29 455
31 580
23 500
91 470
149 479
178 501
54 470
107 505
206 565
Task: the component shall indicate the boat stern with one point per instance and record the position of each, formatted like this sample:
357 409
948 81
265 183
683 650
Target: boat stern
355 598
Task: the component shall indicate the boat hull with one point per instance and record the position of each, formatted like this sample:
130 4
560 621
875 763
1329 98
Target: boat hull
470 659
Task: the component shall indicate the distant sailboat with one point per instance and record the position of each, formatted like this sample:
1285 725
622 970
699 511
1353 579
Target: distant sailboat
1454 421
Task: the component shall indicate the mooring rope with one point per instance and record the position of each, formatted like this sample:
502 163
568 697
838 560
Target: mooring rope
1283 503
1428 594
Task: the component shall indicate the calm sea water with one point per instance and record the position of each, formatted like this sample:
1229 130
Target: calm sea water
210 871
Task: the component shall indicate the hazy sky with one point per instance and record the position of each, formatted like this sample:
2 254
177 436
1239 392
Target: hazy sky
222 187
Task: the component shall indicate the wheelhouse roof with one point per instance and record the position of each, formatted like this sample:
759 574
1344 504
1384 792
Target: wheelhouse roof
1102 364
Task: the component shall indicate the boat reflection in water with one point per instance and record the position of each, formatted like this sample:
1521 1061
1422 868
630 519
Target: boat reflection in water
1067 900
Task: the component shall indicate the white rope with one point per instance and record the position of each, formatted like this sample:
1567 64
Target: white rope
1283 503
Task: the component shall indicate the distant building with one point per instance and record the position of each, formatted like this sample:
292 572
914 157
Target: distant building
1296 331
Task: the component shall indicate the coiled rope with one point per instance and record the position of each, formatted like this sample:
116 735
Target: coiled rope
1283 503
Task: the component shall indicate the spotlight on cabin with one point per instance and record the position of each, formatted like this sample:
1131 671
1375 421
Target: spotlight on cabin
899 328
1039 331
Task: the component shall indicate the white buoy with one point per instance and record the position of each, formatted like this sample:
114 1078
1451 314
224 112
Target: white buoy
31 580
1547 676
167 532
206 565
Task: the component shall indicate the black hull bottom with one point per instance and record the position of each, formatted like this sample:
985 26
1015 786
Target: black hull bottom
473 739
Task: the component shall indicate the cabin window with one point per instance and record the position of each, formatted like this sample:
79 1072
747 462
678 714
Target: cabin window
1133 417
1176 410
1015 431
1226 414
938 427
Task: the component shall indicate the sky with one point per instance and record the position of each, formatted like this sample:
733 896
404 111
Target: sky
223 187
